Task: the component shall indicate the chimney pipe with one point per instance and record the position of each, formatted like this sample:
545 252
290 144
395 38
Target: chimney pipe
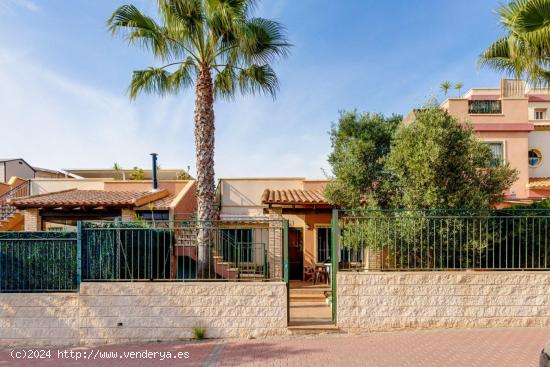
154 172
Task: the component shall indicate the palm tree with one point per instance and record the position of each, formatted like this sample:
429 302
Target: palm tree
445 86
118 172
458 87
215 45
524 52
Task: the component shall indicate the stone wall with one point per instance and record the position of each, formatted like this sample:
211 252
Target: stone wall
139 312
375 301
35 319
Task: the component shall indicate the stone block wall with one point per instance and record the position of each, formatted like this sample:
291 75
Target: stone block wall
377 301
35 319
275 246
138 312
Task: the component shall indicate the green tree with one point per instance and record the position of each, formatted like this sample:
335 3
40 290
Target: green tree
137 174
183 175
524 50
359 141
215 45
437 162
445 86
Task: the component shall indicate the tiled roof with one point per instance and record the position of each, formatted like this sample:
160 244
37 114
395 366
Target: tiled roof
539 183
161 204
89 198
293 196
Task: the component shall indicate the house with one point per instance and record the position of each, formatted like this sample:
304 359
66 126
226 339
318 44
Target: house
296 199
68 201
39 199
18 167
514 122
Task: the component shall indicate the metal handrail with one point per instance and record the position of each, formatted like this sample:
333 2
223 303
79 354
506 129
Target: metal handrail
18 191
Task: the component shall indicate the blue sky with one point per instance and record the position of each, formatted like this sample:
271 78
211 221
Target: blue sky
63 81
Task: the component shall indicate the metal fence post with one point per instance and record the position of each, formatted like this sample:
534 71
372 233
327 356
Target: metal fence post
285 268
334 259
78 254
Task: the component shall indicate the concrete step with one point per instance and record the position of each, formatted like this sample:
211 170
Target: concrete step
314 329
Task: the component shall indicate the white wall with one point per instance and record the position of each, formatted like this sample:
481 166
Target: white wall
541 140
45 185
534 105
244 196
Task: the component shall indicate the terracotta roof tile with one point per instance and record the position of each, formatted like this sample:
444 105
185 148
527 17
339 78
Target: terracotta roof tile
89 198
294 196
539 183
161 204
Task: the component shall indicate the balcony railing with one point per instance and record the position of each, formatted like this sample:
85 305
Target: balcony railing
485 107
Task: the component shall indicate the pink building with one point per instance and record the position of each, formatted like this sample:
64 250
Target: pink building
514 121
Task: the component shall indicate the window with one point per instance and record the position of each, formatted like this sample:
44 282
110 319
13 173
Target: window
154 215
484 107
540 114
237 245
535 157
323 244
497 149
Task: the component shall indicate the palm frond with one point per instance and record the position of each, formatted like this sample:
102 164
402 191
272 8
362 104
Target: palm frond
184 18
139 29
504 55
160 81
184 75
231 9
525 50
258 79
261 40
225 83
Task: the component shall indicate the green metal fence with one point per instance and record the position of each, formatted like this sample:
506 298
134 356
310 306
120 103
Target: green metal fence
405 240
183 251
38 261
239 250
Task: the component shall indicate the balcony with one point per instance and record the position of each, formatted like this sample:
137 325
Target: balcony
485 107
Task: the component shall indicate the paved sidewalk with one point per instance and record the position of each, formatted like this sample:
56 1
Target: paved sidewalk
441 348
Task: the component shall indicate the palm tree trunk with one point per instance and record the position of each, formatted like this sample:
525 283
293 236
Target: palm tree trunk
204 144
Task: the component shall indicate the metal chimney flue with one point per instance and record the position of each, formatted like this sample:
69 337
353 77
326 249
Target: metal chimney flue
154 172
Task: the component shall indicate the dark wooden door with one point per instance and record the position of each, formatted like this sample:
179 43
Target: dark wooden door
295 254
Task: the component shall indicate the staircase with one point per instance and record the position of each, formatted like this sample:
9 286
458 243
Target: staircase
310 309
12 219
186 245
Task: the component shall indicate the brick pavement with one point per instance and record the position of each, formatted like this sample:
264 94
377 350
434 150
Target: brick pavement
465 348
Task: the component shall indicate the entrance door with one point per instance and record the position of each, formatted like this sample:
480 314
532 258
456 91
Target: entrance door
295 254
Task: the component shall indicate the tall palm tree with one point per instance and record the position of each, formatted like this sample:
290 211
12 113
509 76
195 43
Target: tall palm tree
445 86
524 51
215 45
458 87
